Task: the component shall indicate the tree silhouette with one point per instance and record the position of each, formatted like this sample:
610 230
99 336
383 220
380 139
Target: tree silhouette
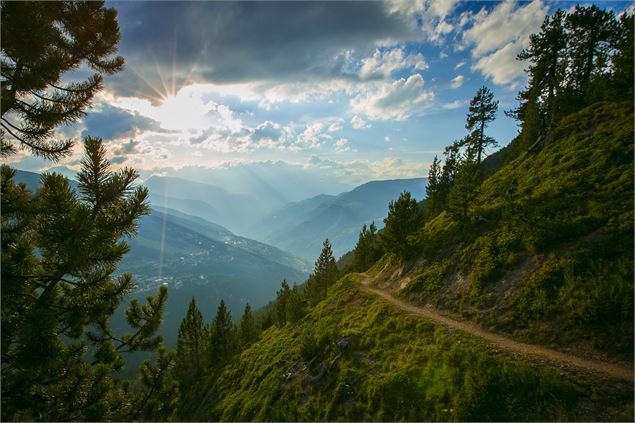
481 112
60 249
41 42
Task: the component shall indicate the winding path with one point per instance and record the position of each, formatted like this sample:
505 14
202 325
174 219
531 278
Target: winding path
609 369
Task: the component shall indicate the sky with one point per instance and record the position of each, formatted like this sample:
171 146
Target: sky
338 92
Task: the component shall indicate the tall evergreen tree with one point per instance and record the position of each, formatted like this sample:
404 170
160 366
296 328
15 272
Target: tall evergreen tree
548 64
41 41
433 205
248 330
404 218
295 309
593 35
464 188
222 336
282 301
367 250
191 347
482 111
60 249
624 61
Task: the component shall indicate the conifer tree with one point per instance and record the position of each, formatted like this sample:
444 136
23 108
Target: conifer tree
404 218
325 270
282 301
548 65
433 204
366 250
295 309
482 111
59 252
191 347
593 35
41 41
248 330
464 188
222 336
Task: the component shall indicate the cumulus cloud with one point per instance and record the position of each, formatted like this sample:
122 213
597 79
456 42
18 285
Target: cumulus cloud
497 36
453 105
382 64
130 147
342 146
287 40
433 15
111 122
359 171
457 81
337 125
359 123
397 101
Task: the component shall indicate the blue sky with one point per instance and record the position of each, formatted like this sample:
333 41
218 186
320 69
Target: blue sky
348 91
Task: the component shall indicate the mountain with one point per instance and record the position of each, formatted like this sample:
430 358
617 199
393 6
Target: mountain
533 294
196 258
234 211
302 227
32 179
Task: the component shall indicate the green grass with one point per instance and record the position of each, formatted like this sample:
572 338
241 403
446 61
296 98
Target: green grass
568 208
387 365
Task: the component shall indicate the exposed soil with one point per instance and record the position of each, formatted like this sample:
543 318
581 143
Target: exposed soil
621 372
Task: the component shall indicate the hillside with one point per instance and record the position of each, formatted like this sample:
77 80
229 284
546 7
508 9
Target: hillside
196 259
355 357
302 227
550 260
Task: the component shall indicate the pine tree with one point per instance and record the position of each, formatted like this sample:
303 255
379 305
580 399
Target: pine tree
481 112
248 331
282 300
325 267
464 188
367 250
295 309
624 61
433 205
191 346
42 41
222 337
593 34
59 252
547 55
404 218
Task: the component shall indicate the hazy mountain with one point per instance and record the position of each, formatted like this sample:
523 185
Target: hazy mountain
301 227
234 211
197 258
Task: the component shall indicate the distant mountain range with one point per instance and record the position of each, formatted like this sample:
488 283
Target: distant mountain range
301 227
195 257
215 204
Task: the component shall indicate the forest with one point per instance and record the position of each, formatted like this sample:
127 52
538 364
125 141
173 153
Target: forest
534 242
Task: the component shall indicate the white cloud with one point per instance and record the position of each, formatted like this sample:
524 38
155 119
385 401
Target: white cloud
359 123
385 63
453 105
457 81
499 35
336 125
433 15
458 65
342 146
357 171
397 101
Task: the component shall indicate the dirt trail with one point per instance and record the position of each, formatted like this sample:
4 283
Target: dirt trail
609 369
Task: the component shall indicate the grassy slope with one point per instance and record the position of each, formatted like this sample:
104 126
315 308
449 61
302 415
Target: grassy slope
386 365
553 261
